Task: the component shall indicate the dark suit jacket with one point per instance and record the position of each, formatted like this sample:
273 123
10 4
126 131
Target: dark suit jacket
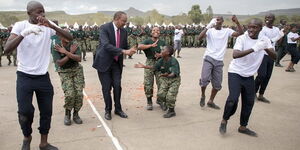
107 50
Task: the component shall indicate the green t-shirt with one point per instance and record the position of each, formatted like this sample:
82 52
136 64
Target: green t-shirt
170 66
57 55
150 52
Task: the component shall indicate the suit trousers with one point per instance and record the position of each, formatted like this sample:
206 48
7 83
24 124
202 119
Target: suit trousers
111 79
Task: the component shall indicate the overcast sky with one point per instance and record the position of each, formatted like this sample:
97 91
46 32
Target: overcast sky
167 7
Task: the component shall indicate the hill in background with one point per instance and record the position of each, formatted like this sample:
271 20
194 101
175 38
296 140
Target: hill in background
137 16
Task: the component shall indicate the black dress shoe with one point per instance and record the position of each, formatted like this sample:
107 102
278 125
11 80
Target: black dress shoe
121 114
107 116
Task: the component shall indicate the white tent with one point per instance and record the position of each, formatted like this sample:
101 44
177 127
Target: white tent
66 25
131 24
76 26
85 25
156 24
202 25
149 25
164 25
95 24
171 25
2 27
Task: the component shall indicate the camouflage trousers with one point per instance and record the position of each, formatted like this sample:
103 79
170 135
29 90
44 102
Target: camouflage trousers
190 41
94 44
168 90
72 82
168 40
196 41
149 75
14 54
82 46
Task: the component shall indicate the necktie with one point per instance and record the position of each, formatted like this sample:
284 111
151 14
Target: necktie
117 43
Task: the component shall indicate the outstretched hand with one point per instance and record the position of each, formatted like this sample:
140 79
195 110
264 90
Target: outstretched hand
139 65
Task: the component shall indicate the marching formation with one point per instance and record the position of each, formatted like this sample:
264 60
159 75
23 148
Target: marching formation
257 47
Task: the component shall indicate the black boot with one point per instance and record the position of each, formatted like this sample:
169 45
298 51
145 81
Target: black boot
170 113
149 103
76 118
67 120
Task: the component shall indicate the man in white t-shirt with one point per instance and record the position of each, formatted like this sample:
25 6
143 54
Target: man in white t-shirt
248 54
32 40
212 69
266 68
292 39
177 40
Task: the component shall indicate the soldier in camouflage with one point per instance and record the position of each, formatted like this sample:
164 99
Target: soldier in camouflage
80 37
170 79
66 59
152 50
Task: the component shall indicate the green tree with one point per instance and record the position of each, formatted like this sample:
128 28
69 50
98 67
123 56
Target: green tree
195 14
208 14
154 16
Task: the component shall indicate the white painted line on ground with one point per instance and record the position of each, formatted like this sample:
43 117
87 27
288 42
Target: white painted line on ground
107 129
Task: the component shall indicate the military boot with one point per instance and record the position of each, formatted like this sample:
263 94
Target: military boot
149 103
170 113
67 120
76 118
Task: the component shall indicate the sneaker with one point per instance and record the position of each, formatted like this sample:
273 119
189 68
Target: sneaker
248 132
213 105
26 145
223 128
278 65
49 147
263 99
202 101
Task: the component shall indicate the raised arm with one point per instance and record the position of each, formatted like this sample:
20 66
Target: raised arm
239 27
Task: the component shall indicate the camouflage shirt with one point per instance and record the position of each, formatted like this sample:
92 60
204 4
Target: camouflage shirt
170 66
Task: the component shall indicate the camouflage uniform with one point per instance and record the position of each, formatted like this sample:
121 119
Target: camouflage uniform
13 53
72 78
95 41
169 87
1 47
149 74
80 36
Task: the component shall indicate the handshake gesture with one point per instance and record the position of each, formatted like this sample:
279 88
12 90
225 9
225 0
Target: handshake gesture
130 52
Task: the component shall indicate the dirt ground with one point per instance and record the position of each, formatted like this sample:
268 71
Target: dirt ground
194 128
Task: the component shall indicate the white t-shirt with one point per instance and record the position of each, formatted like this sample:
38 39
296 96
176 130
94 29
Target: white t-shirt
34 50
217 42
270 33
290 36
178 34
248 65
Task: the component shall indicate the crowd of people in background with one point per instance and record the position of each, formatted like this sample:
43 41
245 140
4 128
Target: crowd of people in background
254 52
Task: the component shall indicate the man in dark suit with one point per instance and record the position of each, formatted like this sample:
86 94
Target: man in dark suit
109 61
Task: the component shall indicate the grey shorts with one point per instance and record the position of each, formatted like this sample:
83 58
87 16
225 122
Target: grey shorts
212 71
177 45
